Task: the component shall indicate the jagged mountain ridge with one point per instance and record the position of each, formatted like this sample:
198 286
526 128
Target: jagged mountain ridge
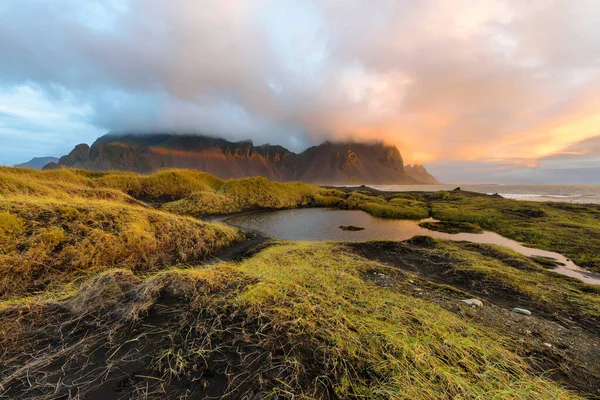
343 163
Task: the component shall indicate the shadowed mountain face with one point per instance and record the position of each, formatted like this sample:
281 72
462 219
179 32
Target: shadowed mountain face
343 163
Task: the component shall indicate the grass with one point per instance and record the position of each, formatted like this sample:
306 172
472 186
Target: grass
96 289
396 208
572 230
451 227
45 244
298 320
381 343
179 191
507 269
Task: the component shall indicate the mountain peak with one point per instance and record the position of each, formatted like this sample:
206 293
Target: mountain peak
329 162
37 162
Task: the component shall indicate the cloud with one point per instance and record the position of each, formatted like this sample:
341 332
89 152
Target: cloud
445 80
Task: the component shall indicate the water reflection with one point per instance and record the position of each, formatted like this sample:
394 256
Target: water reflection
318 224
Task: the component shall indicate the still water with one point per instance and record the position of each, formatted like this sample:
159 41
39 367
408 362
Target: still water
318 224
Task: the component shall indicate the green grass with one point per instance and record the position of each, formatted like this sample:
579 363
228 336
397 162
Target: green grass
395 208
572 230
376 342
505 268
451 227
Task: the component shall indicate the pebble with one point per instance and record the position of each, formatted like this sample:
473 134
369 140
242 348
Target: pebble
473 302
521 311
548 345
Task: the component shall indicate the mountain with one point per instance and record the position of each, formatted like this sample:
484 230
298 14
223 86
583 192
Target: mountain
342 163
419 173
37 162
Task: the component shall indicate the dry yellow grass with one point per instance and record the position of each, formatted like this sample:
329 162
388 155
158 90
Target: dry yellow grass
48 243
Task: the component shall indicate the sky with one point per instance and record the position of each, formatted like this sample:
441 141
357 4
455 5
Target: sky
502 91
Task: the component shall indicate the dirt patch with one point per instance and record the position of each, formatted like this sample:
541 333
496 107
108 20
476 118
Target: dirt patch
165 339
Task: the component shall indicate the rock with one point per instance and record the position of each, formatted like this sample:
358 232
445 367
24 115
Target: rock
473 302
351 228
548 345
411 281
456 189
521 311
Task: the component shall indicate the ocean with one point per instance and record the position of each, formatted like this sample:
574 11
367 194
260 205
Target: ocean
579 194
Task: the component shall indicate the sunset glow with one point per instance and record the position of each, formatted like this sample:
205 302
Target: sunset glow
444 80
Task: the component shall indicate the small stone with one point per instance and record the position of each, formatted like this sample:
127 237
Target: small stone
521 311
417 289
548 345
473 302
411 281
527 332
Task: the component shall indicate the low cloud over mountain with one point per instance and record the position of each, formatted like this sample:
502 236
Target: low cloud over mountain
447 81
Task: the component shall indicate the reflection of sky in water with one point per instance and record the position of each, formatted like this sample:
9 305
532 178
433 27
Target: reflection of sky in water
317 224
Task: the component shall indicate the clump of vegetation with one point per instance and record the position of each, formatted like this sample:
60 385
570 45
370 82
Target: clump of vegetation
296 321
397 208
251 194
160 187
11 227
258 192
53 243
351 228
200 204
451 227
546 262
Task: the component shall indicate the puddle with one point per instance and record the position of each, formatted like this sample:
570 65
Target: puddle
319 224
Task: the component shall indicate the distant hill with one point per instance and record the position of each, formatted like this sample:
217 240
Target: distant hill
341 163
37 162
419 172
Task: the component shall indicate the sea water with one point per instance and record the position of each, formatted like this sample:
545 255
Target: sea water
579 194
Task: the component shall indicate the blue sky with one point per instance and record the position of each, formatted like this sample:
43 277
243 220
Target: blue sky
478 91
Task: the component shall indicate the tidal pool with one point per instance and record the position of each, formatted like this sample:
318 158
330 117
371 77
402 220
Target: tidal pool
319 224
